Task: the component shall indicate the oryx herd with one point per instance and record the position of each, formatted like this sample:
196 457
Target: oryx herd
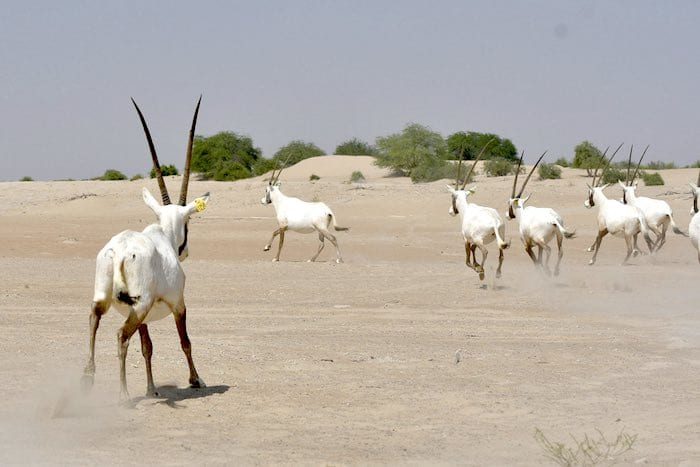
140 273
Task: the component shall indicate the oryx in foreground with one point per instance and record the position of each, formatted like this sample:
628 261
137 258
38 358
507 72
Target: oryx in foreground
614 217
480 225
300 216
694 227
139 273
538 226
657 213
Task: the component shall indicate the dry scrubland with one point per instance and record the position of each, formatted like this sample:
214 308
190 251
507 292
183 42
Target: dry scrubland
352 363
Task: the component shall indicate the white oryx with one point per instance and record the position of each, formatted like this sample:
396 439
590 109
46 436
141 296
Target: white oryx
139 273
300 216
657 213
480 225
694 227
615 218
538 226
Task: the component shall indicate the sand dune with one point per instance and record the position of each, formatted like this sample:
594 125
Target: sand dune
353 363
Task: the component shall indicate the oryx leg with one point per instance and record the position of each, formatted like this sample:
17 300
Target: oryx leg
661 238
147 351
180 315
281 231
98 309
530 253
468 251
548 253
500 262
484 254
272 239
592 247
560 252
630 247
321 239
130 326
599 238
331 237
636 251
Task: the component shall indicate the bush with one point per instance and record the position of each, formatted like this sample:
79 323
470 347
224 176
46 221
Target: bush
438 170
314 177
415 146
297 151
652 179
355 147
165 170
111 174
587 156
562 162
472 142
263 166
224 156
613 175
499 167
136 177
659 165
694 165
26 178
549 172
357 177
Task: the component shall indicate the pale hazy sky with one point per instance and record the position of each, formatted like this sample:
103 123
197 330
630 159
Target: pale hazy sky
546 74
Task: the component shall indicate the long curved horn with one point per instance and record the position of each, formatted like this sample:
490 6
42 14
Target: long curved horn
629 166
156 165
188 157
530 174
481 153
698 184
595 172
517 171
286 161
459 168
608 163
639 164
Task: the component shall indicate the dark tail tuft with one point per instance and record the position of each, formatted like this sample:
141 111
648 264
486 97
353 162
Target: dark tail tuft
124 297
341 229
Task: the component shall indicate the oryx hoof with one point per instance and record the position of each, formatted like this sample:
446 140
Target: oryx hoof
481 275
498 274
339 260
151 392
125 399
274 260
636 253
589 249
197 383
267 247
591 262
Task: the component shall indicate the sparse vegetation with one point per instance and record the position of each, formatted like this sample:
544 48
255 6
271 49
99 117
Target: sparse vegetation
652 179
165 170
297 151
587 156
112 174
437 170
136 177
314 177
590 450
549 172
26 178
659 165
357 177
613 175
416 148
694 165
562 162
355 147
499 167
470 144
263 165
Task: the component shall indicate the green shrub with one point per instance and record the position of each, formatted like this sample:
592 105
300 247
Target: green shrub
659 165
549 172
314 177
694 165
224 156
111 174
136 177
438 170
416 147
165 170
499 167
228 170
562 162
652 179
357 177
355 147
613 175
297 151
263 166
26 178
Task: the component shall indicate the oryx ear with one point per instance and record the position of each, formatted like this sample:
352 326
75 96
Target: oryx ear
621 184
526 198
198 204
604 186
450 189
472 190
151 201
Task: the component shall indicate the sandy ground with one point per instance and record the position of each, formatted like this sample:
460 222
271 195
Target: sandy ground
320 363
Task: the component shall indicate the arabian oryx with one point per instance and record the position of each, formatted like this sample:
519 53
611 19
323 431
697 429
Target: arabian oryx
657 213
614 217
538 226
139 273
300 216
480 225
694 227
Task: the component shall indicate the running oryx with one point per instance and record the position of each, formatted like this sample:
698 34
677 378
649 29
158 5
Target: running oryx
694 227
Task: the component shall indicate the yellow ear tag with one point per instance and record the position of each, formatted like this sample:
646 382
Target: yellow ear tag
516 202
200 205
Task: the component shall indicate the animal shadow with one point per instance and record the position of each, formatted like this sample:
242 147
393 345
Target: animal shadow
170 395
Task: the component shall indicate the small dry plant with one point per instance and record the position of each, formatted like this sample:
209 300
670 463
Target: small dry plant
591 450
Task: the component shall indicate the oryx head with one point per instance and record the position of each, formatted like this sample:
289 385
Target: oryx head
173 218
630 184
462 192
273 184
695 191
595 185
517 201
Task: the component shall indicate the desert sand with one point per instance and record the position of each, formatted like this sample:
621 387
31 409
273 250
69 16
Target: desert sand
397 356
